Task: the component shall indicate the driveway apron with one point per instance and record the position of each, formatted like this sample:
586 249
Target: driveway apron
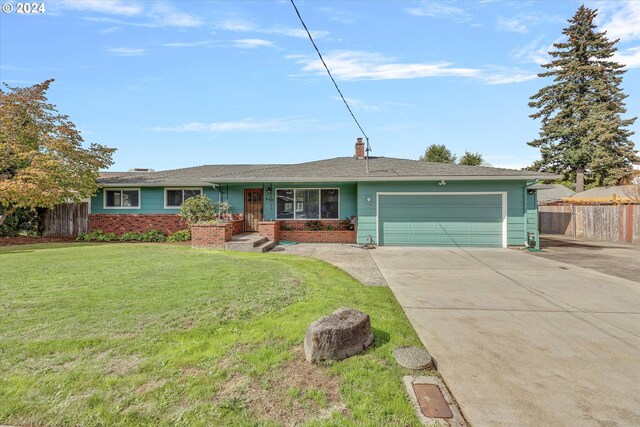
522 340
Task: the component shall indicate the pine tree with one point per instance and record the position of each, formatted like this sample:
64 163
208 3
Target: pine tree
471 159
581 124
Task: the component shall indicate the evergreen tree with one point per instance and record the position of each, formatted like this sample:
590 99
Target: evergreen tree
438 153
471 159
581 124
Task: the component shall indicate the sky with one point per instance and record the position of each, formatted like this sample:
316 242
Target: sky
174 84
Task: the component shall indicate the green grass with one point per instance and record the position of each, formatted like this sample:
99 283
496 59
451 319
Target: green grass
158 334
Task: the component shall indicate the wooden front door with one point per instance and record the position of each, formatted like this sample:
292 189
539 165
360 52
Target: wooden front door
253 207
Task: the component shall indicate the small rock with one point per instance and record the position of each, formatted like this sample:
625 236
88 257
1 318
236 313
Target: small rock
340 335
411 357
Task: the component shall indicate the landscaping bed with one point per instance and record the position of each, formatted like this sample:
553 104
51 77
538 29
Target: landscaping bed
147 334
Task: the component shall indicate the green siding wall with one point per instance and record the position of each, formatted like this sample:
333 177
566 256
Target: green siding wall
151 201
532 216
515 202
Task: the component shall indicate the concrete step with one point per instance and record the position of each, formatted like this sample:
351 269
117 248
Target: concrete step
259 245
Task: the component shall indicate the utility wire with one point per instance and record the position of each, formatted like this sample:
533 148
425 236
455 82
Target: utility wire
330 75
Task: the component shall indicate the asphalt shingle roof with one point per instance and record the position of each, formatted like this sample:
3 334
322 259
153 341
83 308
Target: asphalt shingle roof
336 169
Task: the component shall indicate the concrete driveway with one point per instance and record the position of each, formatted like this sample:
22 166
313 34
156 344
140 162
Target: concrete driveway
522 340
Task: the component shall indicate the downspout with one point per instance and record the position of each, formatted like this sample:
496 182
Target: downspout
524 206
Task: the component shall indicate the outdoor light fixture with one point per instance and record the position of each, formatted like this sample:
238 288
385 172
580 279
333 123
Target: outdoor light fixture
442 182
269 190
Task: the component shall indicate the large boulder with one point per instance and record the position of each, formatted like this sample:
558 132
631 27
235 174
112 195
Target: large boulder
342 334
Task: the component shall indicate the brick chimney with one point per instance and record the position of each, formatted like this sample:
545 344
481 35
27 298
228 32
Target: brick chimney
359 149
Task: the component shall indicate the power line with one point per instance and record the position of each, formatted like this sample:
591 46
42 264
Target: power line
331 76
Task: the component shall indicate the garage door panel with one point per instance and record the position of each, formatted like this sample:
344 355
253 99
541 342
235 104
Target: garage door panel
437 220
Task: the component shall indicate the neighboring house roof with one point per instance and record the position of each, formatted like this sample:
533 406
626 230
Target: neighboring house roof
601 195
551 192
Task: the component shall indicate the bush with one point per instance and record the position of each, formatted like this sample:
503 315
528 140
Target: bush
23 222
197 209
131 236
153 236
313 225
97 236
180 236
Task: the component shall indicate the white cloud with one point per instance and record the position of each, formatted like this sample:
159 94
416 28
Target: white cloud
246 125
114 7
620 19
358 65
629 57
439 10
338 15
156 14
522 22
187 44
252 43
536 52
126 51
244 26
514 25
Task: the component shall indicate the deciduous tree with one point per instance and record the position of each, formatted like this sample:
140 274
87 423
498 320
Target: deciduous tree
42 160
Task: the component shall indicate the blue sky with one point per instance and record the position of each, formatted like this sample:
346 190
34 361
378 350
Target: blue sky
182 83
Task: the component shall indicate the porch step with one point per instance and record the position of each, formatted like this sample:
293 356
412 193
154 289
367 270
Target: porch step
249 242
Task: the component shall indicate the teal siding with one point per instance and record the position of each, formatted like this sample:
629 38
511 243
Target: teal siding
151 201
152 198
446 220
515 202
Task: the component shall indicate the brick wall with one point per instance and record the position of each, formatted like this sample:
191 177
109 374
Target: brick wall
211 235
270 229
238 222
301 224
122 223
335 236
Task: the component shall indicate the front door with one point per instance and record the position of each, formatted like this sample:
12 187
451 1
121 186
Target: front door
253 205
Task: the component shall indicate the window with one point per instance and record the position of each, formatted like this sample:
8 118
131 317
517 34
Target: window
173 197
122 198
308 203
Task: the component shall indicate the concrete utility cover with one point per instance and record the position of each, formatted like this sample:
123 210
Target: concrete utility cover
412 357
431 401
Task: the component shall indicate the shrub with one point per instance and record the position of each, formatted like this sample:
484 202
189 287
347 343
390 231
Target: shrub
180 236
23 222
220 209
97 236
286 227
346 224
131 236
313 225
153 236
197 209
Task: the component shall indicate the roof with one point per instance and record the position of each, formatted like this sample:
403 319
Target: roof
613 194
551 192
330 170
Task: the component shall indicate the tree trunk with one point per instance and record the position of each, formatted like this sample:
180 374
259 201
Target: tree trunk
580 180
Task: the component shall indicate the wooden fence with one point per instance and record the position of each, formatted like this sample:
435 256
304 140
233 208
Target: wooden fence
614 223
69 219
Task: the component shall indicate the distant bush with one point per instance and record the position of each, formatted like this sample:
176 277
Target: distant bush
313 225
180 236
197 209
153 236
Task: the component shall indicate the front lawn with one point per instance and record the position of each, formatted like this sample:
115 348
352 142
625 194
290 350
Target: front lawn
158 334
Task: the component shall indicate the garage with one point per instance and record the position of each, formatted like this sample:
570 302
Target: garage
442 219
